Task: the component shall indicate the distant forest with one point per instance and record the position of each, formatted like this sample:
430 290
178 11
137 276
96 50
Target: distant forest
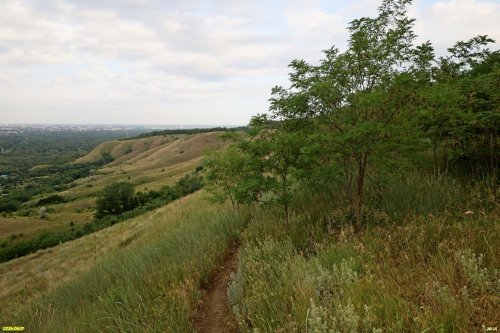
189 131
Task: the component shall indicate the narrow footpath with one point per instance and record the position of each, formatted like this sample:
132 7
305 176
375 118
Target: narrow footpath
214 314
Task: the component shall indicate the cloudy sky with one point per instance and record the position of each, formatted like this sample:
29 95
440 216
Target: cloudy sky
203 62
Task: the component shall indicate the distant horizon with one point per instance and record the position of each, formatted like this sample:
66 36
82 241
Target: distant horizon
124 124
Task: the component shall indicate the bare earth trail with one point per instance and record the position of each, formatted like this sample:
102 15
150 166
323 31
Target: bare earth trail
214 314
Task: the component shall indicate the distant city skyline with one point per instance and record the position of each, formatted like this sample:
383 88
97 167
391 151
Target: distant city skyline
183 63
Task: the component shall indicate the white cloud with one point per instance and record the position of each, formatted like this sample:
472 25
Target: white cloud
446 22
152 61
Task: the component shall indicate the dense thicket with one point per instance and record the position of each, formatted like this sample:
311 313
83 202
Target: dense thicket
365 112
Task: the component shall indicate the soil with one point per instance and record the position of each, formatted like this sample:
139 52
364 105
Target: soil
214 314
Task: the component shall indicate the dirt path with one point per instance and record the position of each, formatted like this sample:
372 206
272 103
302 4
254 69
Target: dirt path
214 314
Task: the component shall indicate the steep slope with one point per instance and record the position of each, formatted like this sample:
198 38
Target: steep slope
154 264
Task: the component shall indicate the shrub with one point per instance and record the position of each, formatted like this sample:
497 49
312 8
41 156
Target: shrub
53 199
9 205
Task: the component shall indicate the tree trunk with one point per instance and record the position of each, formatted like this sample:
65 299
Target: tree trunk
493 163
435 161
360 190
286 214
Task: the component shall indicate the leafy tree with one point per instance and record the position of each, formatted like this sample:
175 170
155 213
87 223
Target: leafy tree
277 150
360 98
115 199
460 105
9 205
225 175
52 199
237 173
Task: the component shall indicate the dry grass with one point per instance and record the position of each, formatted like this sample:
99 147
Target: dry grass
24 278
147 275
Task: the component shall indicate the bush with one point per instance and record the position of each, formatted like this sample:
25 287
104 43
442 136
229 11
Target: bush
189 184
50 200
8 205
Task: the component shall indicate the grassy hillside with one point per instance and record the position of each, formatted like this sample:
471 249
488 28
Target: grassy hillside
142 274
153 162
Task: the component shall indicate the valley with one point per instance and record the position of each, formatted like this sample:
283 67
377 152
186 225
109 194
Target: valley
148 164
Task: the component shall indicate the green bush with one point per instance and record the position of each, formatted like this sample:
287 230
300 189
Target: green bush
50 200
115 199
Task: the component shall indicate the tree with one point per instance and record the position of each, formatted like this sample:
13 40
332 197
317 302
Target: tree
460 105
360 98
276 148
236 173
115 199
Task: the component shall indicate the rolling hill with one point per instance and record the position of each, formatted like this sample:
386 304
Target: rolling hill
147 163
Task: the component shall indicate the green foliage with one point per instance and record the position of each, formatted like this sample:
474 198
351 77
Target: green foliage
460 108
115 199
234 174
9 205
188 184
31 147
43 241
50 200
106 158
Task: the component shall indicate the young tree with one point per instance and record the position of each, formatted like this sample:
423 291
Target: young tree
360 97
236 173
225 175
277 152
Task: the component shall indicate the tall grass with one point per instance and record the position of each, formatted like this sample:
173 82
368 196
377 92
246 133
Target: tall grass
420 194
419 264
153 288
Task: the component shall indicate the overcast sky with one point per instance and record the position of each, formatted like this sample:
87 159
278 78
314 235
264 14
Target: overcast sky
183 62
